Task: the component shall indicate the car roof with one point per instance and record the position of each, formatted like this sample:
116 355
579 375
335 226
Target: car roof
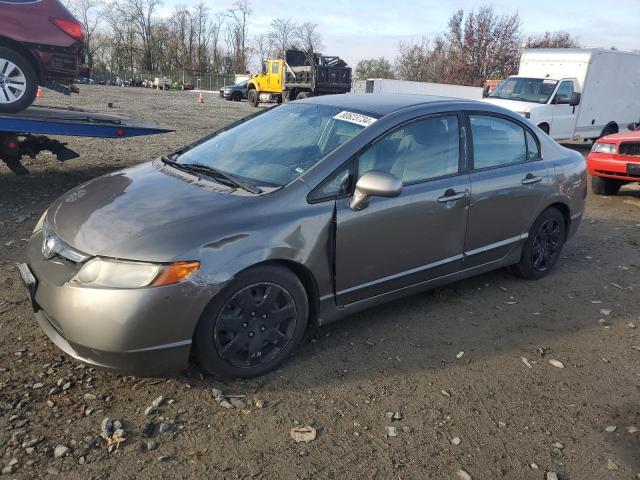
379 103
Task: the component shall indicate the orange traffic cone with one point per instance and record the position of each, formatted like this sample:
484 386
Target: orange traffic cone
40 93
201 99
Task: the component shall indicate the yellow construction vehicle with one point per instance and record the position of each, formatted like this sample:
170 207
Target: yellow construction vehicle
298 75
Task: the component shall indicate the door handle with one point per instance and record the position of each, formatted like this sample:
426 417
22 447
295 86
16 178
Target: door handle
451 196
530 179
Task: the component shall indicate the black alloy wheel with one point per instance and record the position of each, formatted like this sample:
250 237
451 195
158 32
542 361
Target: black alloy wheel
255 325
542 248
546 245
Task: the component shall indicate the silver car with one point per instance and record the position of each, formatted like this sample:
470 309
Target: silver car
301 214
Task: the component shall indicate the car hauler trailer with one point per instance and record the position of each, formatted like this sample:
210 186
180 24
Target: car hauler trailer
24 133
573 93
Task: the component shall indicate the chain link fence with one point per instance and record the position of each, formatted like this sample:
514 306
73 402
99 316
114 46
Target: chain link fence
210 82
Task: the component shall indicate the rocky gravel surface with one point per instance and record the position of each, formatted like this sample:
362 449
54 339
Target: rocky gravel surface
488 378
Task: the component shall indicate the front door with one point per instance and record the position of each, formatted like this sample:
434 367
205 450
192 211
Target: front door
397 242
508 183
564 115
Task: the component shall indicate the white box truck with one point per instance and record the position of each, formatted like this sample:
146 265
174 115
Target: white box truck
573 93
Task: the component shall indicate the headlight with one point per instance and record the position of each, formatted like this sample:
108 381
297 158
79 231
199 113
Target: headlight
107 273
38 226
601 147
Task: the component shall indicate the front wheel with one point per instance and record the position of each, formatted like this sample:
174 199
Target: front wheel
253 324
542 249
18 82
252 96
605 186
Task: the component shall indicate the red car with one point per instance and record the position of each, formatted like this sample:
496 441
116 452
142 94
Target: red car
615 160
41 43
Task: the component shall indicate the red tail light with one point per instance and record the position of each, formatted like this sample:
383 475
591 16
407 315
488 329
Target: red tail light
70 27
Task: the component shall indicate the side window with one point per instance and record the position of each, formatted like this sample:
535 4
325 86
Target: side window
421 150
496 141
336 185
533 151
275 67
564 92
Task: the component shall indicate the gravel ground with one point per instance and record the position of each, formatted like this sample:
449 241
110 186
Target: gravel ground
498 410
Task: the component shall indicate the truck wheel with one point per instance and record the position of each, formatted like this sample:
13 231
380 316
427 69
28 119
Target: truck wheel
302 95
605 186
18 81
609 130
252 96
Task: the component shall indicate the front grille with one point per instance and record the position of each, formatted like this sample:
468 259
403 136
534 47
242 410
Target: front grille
631 149
617 174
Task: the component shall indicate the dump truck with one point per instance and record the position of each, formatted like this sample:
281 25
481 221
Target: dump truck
299 75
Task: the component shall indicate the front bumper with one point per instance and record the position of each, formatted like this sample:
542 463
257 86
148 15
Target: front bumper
141 331
612 166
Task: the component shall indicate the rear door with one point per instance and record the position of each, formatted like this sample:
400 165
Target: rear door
508 183
417 236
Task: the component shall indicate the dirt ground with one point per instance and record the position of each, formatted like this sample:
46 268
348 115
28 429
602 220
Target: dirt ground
486 412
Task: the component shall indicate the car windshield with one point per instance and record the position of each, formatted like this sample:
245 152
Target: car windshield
276 147
536 90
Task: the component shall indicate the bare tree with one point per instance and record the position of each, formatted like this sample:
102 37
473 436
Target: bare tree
483 45
261 48
87 11
553 40
283 35
309 38
140 13
238 33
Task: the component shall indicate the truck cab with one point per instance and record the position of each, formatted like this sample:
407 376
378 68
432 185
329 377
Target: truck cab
550 103
266 86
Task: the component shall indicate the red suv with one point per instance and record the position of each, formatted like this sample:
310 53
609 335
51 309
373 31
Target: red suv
41 43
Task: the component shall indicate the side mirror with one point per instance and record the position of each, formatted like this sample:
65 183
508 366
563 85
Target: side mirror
633 126
485 91
575 99
374 184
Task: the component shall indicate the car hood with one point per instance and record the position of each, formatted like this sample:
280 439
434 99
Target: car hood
513 105
624 137
150 212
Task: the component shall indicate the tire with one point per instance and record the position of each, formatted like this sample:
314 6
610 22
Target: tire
605 186
245 342
608 130
18 81
236 97
252 96
302 95
544 244
544 127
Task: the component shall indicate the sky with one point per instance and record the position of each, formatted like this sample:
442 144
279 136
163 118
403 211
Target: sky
357 29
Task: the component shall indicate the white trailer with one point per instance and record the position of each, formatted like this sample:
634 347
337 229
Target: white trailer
574 94
385 85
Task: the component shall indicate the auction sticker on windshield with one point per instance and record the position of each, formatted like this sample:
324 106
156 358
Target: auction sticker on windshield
357 118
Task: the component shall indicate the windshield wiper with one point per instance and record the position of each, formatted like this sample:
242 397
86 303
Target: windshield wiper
213 172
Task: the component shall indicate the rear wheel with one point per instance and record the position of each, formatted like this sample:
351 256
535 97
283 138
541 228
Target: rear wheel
236 97
252 96
543 246
18 81
609 130
605 186
253 324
